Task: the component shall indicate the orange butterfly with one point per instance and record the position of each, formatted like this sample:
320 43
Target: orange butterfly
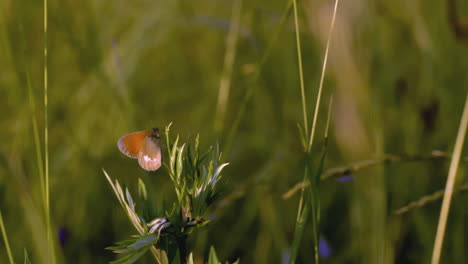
144 146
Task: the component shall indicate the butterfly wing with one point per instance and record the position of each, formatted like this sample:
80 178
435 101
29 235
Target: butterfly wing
149 156
131 144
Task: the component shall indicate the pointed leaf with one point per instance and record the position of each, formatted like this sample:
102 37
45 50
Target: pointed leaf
212 258
26 257
142 189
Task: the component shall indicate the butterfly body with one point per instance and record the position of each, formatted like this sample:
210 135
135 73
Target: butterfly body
144 146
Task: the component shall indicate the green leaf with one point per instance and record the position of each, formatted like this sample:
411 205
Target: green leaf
302 136
142 193
131 258
299 231
203 156
26 257
173 154
131 245
168 141
129 199
190 258
216 177
134 248
212 258
144 242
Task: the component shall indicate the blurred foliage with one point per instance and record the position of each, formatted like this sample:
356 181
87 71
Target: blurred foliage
397 70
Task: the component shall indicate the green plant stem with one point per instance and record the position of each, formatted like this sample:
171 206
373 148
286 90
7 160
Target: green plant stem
51 254
37 141
304 113
314 192
315 221
301 220
157 255
5 239
351 169
322 77
301 74
182 244
46 143
428 199
449 186
301 217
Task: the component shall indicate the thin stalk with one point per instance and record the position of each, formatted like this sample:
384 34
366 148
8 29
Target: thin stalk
225 83
5 240
306 126
37 141
301 219
322 77
353 168
429 198
51 254
301 73
330 105
449 186
315 207
314 191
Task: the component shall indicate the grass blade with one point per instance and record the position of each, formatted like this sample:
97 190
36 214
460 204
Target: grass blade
302 212
26 257
299 61
299 230
5 239
322 76
449 186
51 249
225 82
37 141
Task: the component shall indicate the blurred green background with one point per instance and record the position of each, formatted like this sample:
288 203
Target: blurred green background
397 71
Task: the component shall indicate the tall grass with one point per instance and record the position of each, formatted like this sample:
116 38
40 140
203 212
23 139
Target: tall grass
51 253
302 214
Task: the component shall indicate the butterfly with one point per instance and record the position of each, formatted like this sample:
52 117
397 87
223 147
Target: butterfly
144 146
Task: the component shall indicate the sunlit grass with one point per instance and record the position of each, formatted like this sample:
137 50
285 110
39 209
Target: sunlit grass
446 202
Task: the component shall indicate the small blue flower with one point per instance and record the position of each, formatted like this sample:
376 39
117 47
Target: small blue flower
285 256
63 235
325 251
346 178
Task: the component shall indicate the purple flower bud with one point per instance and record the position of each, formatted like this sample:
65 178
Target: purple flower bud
63 236
325 251
345 178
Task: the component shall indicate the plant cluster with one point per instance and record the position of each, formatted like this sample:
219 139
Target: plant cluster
195 176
